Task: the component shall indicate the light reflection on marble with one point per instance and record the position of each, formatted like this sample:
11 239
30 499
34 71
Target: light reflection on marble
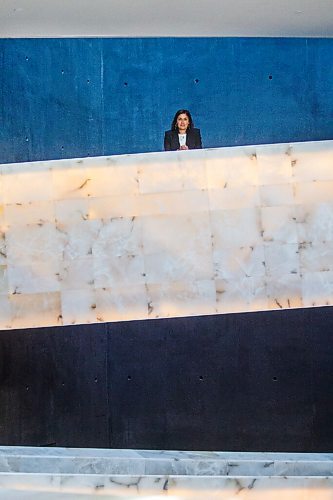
166 234
173 487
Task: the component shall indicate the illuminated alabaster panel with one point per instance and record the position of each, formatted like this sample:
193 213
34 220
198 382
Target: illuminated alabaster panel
166 234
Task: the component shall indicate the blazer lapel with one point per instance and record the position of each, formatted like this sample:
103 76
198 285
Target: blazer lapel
176 139
189 139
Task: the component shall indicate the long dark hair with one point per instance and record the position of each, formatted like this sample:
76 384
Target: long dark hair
180 112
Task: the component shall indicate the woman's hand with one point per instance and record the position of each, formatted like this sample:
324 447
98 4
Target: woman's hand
183 148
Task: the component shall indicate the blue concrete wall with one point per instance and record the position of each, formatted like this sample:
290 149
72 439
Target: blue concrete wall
62 98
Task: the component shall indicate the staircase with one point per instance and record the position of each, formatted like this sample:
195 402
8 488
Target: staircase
61 473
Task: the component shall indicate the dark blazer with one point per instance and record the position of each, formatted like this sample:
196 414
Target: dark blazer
193 139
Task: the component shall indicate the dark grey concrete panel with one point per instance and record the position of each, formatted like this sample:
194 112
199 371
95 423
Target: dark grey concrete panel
251 381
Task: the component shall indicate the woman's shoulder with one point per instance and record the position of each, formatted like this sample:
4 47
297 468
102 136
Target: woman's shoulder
191 130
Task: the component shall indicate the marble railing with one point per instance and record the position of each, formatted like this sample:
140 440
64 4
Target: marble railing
166 234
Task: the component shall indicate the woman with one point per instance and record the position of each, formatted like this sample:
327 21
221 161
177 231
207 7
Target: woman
182 135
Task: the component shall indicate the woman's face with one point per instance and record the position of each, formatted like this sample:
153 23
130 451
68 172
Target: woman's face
182 123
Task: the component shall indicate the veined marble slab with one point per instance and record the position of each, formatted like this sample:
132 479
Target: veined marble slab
154 462
29 472
172 487
166 234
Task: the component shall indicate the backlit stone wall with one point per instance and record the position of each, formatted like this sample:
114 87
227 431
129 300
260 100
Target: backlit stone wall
166 234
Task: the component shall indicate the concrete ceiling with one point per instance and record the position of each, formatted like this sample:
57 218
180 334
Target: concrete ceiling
140 18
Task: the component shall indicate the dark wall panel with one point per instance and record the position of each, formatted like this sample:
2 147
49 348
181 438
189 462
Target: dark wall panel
252 381
65 98
53 387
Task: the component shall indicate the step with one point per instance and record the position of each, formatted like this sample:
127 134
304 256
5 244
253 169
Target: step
174 487
157 462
